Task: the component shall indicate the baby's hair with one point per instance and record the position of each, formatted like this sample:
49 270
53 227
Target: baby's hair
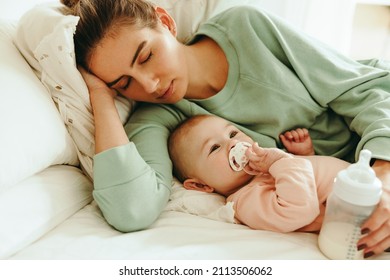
102 18
176 146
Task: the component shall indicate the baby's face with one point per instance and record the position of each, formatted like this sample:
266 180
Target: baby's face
209 144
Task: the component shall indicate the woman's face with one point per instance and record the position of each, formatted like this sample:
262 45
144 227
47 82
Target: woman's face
142 64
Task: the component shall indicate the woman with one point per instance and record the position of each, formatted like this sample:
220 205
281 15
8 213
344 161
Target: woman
243 65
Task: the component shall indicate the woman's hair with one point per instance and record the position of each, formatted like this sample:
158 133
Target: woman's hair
102 18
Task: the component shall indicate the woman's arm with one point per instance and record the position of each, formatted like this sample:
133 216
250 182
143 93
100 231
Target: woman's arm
130 192
109 132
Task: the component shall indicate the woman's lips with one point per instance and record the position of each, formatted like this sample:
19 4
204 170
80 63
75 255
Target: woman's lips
168 92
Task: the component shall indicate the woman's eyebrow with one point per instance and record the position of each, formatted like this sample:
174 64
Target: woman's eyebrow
137 52
139 49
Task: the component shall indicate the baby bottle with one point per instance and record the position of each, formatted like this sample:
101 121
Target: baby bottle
356 192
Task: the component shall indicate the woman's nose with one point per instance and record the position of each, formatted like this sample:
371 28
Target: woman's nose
149 82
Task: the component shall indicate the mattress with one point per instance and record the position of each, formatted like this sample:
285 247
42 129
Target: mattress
174 236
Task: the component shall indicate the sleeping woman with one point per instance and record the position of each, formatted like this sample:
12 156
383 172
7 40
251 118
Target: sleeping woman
244 65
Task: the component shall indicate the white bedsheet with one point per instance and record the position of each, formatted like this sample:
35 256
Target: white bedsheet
175 235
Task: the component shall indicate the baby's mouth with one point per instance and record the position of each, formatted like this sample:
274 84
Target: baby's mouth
237 158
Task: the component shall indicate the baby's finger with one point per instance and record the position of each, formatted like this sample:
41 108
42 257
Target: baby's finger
250 171
288 135
250 153
257 149
253 160
285 141
283 137
305 132
296 135
301 134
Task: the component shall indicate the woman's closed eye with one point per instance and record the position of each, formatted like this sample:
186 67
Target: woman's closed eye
124 83
148 57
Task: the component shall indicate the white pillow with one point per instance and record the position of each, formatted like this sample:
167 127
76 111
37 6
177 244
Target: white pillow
45 38
33 135
189 14
38 204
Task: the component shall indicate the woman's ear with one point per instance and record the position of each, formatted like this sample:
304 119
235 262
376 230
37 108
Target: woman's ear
196 185
167 20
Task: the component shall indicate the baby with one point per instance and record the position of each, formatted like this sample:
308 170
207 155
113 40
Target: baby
270 189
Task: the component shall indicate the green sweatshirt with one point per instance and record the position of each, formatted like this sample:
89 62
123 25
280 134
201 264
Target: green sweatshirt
278 79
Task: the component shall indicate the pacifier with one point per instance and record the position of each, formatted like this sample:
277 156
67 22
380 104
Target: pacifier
237 157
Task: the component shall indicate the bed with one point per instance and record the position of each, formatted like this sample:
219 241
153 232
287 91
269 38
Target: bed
46 207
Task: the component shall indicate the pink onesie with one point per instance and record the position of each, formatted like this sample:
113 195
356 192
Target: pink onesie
291 197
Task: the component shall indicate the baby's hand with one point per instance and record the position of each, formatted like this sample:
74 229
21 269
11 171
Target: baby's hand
298 142
261 159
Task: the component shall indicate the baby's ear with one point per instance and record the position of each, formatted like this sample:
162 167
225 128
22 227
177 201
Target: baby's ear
196 185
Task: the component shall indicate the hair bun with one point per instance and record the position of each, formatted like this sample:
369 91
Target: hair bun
70 3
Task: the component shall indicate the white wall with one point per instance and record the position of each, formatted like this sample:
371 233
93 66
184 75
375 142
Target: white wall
371 32
13 9
328 20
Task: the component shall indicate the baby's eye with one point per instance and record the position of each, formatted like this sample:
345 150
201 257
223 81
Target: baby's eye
214 148
233 133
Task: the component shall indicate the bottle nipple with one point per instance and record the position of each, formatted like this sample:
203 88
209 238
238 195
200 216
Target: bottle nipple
358 183
361 171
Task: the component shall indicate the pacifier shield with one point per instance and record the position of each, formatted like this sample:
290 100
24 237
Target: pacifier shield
237 158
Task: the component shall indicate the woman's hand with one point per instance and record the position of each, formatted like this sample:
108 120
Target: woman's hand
377 227
109 131
96 86
261 159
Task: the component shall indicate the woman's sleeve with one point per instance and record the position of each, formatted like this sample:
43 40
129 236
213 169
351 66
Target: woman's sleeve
289 205
357 91
132 182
